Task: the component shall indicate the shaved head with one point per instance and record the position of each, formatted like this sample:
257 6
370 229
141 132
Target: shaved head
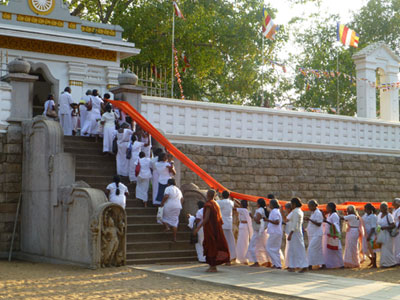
210 194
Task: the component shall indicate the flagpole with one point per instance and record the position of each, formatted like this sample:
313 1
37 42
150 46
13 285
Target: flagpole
172 50
262 72
337 80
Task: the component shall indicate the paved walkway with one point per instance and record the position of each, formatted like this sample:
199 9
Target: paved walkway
307 285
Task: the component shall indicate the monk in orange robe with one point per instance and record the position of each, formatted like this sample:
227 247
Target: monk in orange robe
215 246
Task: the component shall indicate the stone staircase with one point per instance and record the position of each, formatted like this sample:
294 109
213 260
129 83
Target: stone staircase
146 241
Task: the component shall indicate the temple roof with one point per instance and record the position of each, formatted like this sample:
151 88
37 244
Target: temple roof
370 49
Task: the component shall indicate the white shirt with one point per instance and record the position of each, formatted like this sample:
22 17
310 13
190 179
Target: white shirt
275 215
118 199
226 206
163 171
288 223
352 221
396 216
96 104
296 220
334 219
313 229
49 104
370 221
65 103
383 221
136 149
174 197
109 119
259 227
199 215
145 171
85 99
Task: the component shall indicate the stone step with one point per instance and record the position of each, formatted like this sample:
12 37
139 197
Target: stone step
160 246
140 211
156 236
86 151
161 254
94 165
99 157
169 260
95 170
149 219
83 144
79 139
153 228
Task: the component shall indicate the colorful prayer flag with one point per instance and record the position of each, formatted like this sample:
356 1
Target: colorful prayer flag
347 36
178 12
268 27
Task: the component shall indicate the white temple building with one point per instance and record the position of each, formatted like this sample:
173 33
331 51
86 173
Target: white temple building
63 50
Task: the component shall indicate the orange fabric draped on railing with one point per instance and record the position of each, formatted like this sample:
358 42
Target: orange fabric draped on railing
210 181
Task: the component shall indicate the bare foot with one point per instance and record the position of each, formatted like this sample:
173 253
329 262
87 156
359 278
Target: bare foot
212 270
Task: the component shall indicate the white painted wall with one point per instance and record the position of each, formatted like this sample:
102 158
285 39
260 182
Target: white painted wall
5 105
211 123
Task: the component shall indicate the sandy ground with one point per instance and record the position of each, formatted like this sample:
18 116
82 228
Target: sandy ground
23 280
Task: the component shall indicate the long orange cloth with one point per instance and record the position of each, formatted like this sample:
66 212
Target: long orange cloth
216 248
210 181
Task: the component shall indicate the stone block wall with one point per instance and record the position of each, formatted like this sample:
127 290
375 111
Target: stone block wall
10 184
323 176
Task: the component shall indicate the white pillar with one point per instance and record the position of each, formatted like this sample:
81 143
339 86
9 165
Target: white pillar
389 98
366 97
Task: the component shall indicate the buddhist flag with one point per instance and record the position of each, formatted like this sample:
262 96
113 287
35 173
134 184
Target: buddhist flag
347 36
268 27
178 12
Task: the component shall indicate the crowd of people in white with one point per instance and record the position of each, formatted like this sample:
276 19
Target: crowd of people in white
261 233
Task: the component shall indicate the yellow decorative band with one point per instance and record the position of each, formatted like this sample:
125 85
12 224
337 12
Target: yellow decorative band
6 16
24 44
75 83
98 30
110 86
39 20
71 25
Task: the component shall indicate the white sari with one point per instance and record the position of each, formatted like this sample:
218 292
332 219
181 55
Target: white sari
245 232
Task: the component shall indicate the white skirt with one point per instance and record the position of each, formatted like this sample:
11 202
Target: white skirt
108 139
122 162
256 251
171 216
142 189
396 242
332 258
230 239
297 257
154 183
387 255
273 247
66 123
242 243
352 250
314 252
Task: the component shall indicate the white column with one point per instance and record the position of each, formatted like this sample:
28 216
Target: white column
389 98
366 97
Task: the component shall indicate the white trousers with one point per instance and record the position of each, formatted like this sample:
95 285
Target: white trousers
230 239
199 246
273 247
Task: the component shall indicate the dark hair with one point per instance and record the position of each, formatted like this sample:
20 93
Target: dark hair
128 120
108 107
142 154
50 96
157 151
200 204
107 96
88 92
171 181
274 203
332 206
162 156
134 138
296 201
261 203
95 92
67 89
244 203
225 194
117 180
370 207
271 196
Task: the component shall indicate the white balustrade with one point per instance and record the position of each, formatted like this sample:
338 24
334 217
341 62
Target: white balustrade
212 123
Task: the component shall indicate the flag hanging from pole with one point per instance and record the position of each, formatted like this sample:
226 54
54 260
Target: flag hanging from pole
268 27
178 12
347 36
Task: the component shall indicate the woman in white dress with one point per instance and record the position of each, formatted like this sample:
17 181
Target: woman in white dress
154 180
50 108
352 249
143 179
286 214
123 137
108 122
245 232
200 234
386 223
333 257
172 204
274 242
134 147
83 108
94 115
370 223
165 171
314 230
256 252
117 192
297 250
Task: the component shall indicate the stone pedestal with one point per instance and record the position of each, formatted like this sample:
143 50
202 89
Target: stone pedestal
22 95
130 93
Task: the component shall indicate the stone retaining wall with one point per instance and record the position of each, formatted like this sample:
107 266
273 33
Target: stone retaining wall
10 184
324 176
